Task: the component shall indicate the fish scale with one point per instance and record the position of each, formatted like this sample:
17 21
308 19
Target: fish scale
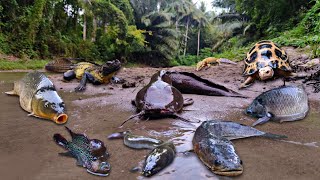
286 103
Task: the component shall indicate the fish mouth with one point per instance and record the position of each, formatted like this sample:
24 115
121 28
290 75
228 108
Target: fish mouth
97 174
233 172
61 119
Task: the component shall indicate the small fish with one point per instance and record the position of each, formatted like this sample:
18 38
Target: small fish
159 158
90 153
211 143
136 141
286 103
39 97
162 154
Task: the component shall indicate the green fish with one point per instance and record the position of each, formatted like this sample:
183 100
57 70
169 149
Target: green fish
90 153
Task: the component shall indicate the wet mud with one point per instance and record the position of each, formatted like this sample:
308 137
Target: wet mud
27 150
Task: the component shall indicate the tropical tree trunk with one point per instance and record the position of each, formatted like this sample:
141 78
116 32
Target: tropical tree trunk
198 41
186 38
94 31
84 35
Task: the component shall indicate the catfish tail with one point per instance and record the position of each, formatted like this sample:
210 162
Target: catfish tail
274 136
60 140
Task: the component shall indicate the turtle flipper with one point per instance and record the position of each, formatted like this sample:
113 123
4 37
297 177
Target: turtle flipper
82 85
247 82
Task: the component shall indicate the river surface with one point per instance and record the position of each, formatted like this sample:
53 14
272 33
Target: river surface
27 150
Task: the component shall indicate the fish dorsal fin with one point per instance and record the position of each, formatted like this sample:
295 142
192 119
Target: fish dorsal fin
75 135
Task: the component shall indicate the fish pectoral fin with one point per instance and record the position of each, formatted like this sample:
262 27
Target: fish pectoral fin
32 114
66 154
80 162
261 120
12 93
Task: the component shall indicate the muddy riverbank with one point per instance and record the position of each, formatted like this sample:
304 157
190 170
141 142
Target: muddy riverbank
27 150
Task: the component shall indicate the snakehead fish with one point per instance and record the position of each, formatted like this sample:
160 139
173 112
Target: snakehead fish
211 143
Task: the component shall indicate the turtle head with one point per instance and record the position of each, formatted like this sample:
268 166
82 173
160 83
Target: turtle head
266 73
110 67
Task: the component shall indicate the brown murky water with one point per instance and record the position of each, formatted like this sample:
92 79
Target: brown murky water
27 150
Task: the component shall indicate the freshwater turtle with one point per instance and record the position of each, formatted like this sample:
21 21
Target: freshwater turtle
264 61
86 71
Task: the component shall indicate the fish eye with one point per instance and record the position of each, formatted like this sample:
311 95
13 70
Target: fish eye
241 162
217 162
61 104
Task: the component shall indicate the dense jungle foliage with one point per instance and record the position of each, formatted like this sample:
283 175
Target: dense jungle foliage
153 32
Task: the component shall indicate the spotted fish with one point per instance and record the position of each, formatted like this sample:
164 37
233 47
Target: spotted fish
90 153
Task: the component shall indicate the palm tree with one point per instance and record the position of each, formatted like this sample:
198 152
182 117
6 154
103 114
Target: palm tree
162 37
202 21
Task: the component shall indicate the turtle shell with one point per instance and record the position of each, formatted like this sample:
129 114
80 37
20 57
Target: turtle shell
263 54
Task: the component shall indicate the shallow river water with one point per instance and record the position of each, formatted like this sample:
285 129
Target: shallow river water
27 150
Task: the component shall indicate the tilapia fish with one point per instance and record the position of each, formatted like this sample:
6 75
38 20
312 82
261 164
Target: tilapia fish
286 103
211 143
90 153
162 153
39 97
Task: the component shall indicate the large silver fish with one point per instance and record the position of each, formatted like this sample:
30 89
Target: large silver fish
211 142
39 97
286 103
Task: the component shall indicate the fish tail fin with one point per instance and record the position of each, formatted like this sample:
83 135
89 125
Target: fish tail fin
60 140
274 136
